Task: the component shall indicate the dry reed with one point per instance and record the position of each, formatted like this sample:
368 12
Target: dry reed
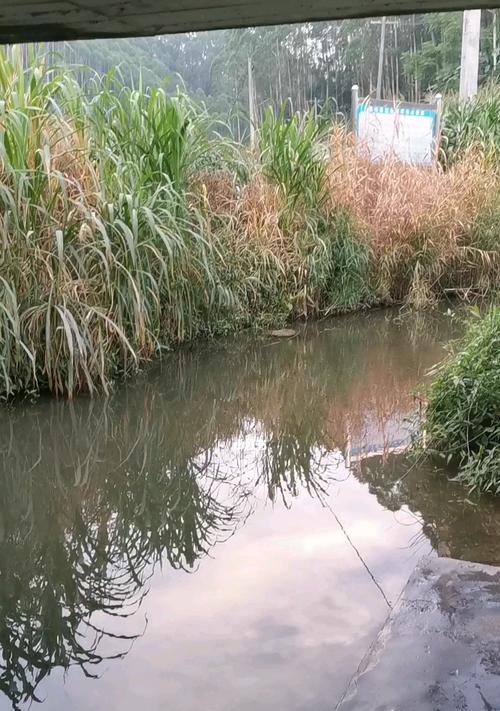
421 219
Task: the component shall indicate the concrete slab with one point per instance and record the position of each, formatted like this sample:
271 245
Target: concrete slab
43 20
440 647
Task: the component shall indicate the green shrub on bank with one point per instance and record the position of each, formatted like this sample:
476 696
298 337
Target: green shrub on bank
339 266
486 230
462 422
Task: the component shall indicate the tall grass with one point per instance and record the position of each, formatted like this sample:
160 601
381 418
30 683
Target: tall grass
338 266
99 257
128 225
427 225
290 154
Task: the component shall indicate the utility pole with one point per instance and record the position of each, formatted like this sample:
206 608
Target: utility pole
494 50
252 112
381 52
354 108
494 40
469 66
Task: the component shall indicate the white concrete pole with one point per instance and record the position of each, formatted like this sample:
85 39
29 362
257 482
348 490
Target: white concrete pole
437 137
251 105
494 23
354 107
469 66
381 51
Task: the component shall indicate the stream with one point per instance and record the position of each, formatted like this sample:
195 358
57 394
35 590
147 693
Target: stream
229 530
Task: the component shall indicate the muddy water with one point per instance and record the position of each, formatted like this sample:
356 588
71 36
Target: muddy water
228 531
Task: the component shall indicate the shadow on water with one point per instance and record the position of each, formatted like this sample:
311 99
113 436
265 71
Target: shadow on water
94 495
457 524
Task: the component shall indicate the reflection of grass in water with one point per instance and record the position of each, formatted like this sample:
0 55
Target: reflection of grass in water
465 526
368 364
294 461
81 530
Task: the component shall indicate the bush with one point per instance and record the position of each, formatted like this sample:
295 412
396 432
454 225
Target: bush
462 422
339 266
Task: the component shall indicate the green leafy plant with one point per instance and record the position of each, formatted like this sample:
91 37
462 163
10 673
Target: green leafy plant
472 124
290 154
101 257
339 265
462 420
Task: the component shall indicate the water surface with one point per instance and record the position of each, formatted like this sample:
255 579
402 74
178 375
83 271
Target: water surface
228 531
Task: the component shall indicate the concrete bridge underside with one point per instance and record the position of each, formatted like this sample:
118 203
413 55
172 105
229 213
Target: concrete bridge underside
38 20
